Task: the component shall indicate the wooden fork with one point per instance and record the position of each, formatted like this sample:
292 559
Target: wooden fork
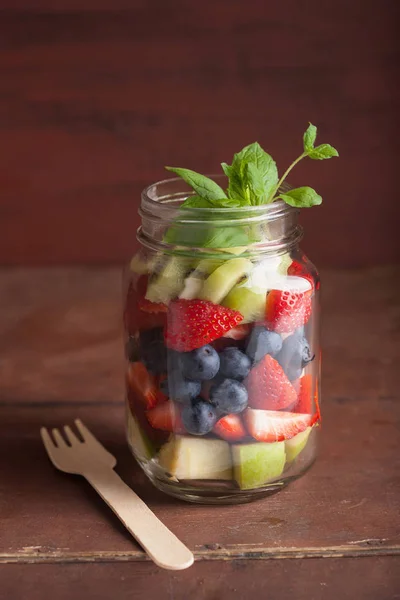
91 460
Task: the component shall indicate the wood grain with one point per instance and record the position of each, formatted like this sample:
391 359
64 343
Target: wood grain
334 533
329 579
69 365
95 97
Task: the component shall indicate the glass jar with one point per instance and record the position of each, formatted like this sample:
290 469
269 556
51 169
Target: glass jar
221 321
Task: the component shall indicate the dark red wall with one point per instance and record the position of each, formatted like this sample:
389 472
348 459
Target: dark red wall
96 96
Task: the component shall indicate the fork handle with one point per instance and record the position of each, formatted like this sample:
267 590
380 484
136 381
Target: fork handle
163 547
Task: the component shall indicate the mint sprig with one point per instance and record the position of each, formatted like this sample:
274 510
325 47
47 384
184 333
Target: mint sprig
253 179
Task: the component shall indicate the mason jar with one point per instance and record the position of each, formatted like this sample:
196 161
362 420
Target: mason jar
221 319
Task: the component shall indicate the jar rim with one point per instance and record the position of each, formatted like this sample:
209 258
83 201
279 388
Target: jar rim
150 204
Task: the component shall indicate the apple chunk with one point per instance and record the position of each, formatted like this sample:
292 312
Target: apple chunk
257 464
187 457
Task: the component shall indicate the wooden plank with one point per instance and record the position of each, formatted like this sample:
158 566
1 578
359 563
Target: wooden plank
329 579
94 102
60 359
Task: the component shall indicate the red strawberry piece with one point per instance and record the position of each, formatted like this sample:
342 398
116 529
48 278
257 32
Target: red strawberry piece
268 386
194 323
317 415
298 269
152 307
287 310
140 313
139 411
167 417
143 384
239 332
305 404
230 428
274 426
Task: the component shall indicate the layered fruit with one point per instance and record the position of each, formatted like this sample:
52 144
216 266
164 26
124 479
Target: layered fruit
221 377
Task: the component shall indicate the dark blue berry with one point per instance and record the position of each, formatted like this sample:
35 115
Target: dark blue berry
228 397
200 364
199 417
179 389
262 342
295 354
234 364
153 350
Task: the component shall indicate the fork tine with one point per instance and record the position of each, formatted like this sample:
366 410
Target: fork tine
47 441
58 438
71 437
85 433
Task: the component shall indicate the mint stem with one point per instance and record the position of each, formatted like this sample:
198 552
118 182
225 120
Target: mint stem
271 197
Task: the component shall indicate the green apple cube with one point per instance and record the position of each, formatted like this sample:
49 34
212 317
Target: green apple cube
187 457
295 445
138 440
256 464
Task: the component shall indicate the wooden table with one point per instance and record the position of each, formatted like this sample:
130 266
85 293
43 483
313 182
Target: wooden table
333 534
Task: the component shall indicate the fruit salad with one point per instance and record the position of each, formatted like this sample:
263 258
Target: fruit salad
222 347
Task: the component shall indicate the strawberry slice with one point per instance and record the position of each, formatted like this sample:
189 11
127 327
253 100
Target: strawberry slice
143 384
299 270
230 428
287 310
140 313
268 386
152 307
167 417
304 402
194 323
239 332
274 426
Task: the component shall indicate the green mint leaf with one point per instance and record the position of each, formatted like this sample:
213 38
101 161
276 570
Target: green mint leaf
199 202
302 197
253 180
253 153
237 189
309 138
202 185
226 237
226 169
196 202
322 152
252 186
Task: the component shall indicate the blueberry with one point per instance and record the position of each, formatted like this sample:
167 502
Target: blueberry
262 342
199 417
293 371
200 364
153 350
234 364
306 354
230 396
295 354
179 389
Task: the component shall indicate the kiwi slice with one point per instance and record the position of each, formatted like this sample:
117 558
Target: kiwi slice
168 283
141 265
222 280
247 301
194 282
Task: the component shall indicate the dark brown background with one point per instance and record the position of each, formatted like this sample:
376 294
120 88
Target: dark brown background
97 95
